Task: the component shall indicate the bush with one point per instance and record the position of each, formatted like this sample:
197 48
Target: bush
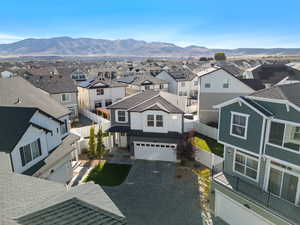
220 56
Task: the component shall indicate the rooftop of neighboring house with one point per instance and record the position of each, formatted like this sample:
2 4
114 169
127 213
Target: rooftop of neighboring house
149 100
274 73
53 84
182 74
142 79
44 202
231 67
288 92
19 92
100 83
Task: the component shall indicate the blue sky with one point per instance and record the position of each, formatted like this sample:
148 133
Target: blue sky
210 23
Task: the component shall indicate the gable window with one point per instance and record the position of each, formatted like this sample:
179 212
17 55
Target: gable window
65 97
226 85
207 85
159 121
182 84
239 125
121 116
30 152
100 91
195 83
150 120
246 165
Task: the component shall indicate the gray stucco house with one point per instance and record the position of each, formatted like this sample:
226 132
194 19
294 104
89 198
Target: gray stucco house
260 183
149 124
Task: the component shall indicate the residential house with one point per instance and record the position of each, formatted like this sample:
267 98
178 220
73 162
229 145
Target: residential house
260 183
28 200
217 85
99 93
61 88
36 132
149 124
181 82
144 82
79 75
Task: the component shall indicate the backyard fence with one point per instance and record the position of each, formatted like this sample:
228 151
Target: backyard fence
104 123
208 159
201 128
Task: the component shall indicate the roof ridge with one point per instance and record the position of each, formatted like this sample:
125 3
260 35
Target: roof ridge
157 95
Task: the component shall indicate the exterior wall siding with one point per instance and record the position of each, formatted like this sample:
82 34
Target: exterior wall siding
255 121
282 154
5 162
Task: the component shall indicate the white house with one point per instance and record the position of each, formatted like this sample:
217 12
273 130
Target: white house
148 124
36 132
99 93
217 85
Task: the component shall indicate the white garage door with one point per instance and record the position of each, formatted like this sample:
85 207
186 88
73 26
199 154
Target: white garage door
155 151
235 213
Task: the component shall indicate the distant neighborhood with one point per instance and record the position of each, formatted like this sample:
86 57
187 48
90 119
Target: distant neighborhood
210 140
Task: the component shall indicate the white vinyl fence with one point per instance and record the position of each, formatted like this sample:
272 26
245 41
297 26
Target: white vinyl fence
209 159
104 123
201 128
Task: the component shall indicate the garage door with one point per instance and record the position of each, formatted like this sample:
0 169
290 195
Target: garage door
235 213
155 151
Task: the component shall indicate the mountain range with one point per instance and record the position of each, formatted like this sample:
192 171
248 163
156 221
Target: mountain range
129 47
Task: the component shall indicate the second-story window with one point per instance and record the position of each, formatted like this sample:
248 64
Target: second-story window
64 127
100 91
226 85
150 120
182 84
30 152
121 116
159 121
239 124
65 97
195 83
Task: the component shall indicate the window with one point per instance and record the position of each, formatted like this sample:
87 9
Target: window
184 93
296 134
121 116
100 91
239 123
73 111
207 85
196 83
182 84
282 182
150 120
108 102
180 93
161 86
276 133
98 104
246 165
65 97
147 87
30 152
226 85
64 127
159 121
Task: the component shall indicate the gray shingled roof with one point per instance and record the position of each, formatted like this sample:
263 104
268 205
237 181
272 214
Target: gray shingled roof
182 75
18 92
288 92
255 84
53 84
14 122
142 78
107 83
44 202
145 100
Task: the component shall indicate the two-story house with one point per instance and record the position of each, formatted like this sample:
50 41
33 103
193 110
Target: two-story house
34 132
61 88
99 93
149 124
217 85
260 183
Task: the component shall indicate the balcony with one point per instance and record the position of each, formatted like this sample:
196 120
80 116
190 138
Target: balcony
269 202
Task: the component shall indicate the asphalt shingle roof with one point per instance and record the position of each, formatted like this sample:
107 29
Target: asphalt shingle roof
53 84
288 92
29 200
255 84
14 122
105 82
18 92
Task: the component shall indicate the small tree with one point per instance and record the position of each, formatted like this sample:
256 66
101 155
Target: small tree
220 56
100 149
92 143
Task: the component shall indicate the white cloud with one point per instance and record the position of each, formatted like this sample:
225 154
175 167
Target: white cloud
8 38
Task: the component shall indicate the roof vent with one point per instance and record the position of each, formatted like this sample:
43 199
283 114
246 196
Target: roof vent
18 101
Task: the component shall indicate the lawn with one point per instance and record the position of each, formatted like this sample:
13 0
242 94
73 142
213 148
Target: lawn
109 174
208 144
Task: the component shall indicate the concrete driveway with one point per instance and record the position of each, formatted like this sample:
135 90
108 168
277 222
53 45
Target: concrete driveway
153 195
